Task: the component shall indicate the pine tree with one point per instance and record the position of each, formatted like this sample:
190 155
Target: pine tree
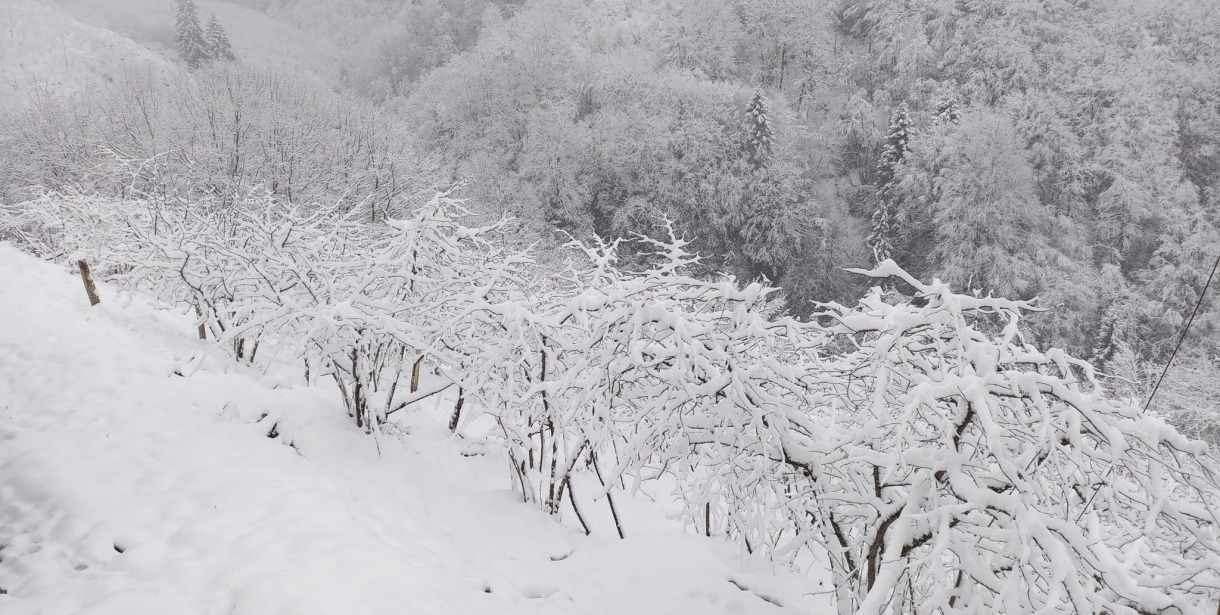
218 42
947 111
760 136
1109 339
189 36
881 238
762 231
897 145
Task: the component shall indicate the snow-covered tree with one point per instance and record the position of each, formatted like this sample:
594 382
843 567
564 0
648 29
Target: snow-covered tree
219 47
766 230
759 133
943 463
969 210
948 110
355 301
189 37
232 130
882 231
883 234
897 146
701 36
784 36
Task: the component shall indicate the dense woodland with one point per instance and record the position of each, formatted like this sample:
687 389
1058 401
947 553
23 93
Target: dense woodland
1063 155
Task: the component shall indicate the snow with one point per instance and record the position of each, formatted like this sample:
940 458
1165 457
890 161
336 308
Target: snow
257 38
65 47
138 475
44 49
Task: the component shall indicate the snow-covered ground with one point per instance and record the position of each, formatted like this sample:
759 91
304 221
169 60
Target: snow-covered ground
143 473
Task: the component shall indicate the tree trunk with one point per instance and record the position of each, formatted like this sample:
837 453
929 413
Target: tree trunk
579 516
618 525
783 65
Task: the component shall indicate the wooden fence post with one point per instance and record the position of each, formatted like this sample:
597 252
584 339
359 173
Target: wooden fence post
419 363
85 277
203 332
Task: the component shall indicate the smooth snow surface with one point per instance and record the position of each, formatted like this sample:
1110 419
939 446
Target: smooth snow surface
137 476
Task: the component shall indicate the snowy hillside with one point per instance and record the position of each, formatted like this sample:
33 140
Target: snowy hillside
44 49
143 473
258 39
63 47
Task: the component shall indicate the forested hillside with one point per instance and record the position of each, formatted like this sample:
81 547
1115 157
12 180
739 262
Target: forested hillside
1068 151
1061 150
919 295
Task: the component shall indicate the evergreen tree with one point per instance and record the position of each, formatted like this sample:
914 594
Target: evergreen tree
188 35
218 42
897 145
1109 340
763 230
881 237
947 111
760 136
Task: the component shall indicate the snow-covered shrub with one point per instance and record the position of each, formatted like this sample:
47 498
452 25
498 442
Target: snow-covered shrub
360 302
601 370
31 228
69 225
946 466
940 462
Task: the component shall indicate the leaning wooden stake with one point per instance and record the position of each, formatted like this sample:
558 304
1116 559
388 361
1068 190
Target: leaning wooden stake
457 412
203 332
419 363
85 277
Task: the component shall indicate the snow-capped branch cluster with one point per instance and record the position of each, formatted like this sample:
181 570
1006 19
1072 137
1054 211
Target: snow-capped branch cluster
940 462
600 370
963 471
361 303
357 302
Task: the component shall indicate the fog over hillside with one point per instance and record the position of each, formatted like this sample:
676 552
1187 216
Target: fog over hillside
863 306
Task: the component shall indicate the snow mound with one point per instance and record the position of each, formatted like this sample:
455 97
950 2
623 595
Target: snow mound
141 472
